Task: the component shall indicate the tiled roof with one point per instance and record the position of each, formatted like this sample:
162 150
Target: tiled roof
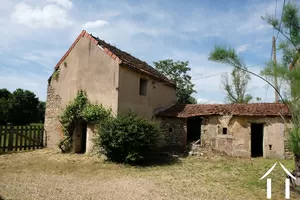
131 61
122 57
254 109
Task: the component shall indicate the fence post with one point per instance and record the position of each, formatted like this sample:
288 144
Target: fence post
0 136
41 134
11 138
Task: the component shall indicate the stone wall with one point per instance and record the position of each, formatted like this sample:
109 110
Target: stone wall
174 130
53 129
237 141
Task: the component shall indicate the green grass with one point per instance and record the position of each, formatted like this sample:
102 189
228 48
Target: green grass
190 178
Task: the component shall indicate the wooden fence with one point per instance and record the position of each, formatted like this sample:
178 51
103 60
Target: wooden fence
18 138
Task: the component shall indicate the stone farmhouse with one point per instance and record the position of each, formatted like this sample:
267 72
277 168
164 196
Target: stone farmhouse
122 82
109 76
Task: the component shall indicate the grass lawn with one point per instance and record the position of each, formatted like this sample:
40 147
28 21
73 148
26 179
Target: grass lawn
45 174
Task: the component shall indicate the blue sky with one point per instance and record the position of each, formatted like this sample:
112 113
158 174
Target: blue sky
36 33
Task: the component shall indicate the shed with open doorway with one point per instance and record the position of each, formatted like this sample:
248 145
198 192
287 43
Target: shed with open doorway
247 130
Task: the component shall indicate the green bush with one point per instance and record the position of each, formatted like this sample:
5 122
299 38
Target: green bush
294 141
127 139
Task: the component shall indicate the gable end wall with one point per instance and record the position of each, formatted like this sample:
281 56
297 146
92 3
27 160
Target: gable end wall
86 67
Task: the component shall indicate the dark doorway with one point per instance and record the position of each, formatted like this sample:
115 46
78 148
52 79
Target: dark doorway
193 129
257 140
83 137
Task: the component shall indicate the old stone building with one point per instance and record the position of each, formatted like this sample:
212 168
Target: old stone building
248 130
109 76
122 82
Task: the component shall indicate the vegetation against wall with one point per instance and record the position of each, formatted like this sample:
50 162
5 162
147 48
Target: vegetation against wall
80 109
127 139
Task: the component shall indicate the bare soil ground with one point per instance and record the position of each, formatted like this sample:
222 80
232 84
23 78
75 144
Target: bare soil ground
45 174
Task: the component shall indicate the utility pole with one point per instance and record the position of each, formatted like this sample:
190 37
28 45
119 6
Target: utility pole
275 69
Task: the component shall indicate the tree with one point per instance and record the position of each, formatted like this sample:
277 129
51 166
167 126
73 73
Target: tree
178 73
22 107
289 28
4 97
236 88
41 111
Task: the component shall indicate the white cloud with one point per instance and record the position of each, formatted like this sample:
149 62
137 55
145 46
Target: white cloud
242 48
253 22
95 24
49 16
64 3
207 101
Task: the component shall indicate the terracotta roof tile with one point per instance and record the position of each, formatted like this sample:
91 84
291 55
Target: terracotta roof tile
255 109
120 56
131 61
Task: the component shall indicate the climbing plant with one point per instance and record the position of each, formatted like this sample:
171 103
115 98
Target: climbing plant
55 75
80 109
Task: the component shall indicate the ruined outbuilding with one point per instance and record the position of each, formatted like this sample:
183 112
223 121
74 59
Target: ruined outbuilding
247 130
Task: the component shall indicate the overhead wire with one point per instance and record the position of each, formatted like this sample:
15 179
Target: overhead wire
280 18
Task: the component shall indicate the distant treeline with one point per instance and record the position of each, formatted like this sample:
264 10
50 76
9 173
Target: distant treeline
20 107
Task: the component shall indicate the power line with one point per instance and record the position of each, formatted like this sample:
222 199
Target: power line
210 76
275 14
280 18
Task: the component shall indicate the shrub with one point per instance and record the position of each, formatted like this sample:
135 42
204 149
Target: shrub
127 139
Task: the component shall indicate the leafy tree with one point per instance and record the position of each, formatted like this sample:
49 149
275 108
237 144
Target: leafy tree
290 46
236 88
22 107
4 97
177 72
41 110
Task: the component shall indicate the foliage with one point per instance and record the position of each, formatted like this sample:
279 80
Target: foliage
178 73
293 140
22 107
80 109
55 75
192 100
127 139
236 88
4 97
289 29
41 111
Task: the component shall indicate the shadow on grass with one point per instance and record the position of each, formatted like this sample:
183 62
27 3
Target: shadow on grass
158 159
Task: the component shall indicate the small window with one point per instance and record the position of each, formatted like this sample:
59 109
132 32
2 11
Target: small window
224 131
143 87
170 130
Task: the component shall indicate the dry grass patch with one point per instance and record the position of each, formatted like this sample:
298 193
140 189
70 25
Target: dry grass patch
45 174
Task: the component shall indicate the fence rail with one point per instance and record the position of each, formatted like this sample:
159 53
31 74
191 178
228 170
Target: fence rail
18 138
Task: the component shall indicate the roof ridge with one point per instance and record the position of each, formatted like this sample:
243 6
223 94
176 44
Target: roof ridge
132 61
